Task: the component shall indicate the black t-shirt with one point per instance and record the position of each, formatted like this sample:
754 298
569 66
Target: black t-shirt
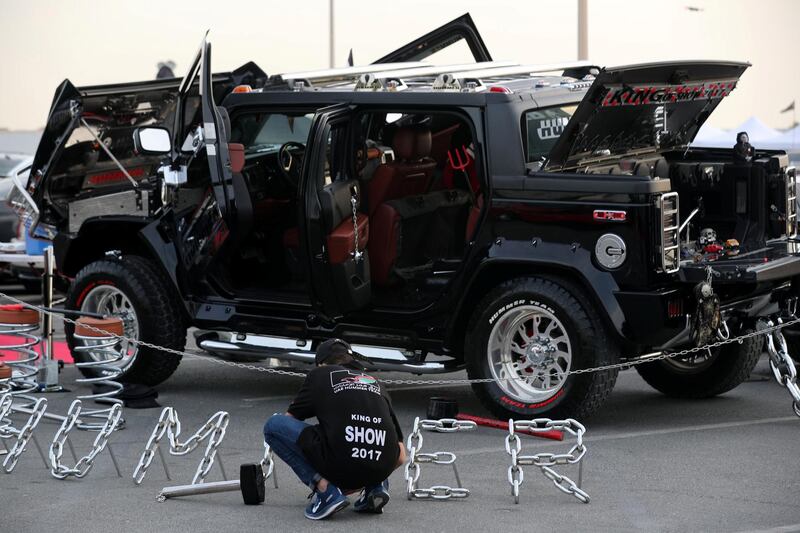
356 441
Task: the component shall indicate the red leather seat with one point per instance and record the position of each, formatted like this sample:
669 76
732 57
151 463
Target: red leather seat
409 174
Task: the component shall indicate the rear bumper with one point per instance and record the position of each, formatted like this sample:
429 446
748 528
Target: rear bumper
776 261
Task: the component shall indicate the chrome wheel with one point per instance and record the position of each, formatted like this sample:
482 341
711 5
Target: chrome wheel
529 345
109 300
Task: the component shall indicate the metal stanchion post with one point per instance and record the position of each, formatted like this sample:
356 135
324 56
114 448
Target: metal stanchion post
48 370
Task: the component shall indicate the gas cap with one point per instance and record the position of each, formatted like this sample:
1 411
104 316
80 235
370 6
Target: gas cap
610 251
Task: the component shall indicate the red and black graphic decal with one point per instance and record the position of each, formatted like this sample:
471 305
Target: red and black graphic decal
665 94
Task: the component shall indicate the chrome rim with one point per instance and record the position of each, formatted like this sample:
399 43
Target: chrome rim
109 300
530 345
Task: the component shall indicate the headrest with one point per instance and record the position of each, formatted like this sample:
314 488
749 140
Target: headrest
422 148
412 142
404 142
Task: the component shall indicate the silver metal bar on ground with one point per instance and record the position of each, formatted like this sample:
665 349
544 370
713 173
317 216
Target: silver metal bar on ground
200 488
28 410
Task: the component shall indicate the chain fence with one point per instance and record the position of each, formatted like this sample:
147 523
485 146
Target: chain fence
786 374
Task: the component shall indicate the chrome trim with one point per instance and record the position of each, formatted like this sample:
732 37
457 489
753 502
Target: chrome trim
791 202
665 210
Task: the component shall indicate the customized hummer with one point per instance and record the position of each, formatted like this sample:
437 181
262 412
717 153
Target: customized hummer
519 221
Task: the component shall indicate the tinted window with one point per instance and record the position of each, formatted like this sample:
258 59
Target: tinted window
542 128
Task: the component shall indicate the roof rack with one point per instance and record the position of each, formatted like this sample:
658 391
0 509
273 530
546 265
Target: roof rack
337 74
394 79
471 79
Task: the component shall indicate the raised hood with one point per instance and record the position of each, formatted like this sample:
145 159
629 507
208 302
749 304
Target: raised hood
643 108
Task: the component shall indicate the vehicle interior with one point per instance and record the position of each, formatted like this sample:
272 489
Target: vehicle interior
418 199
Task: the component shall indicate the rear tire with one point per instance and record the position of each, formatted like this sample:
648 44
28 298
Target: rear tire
158 314
520 311
728 368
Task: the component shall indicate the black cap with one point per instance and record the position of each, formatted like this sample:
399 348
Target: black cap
330 348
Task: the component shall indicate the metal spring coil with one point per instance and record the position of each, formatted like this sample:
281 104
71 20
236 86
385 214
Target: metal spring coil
98 338
103 353
21 323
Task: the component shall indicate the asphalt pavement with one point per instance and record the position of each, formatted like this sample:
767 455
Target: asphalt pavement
653 464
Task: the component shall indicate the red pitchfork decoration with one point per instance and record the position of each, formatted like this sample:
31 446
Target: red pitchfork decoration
462 164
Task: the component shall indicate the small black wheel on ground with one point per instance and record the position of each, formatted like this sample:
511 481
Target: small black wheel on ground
526 335
133 288
704 375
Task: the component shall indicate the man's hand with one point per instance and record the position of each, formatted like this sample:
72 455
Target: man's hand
402 457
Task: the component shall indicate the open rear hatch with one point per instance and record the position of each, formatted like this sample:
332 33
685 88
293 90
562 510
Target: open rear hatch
652 112
644 108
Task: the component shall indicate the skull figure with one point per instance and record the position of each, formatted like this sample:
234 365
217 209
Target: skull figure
707 236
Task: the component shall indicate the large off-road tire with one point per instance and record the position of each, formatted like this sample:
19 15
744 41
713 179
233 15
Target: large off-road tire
707 375
515 326
132 286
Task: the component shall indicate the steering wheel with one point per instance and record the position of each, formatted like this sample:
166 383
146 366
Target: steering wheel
290 161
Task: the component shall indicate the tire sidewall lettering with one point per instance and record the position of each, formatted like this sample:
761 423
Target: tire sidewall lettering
517 303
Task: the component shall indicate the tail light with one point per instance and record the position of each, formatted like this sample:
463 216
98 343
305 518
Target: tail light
791 202
669 247
675 308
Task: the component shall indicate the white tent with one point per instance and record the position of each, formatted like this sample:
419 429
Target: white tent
758 132
788 140
709 136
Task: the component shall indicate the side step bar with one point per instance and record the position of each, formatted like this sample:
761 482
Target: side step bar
248 348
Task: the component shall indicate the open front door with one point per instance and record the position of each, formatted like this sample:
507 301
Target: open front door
336 230
208 228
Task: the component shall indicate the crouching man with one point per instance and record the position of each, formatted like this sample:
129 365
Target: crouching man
356 444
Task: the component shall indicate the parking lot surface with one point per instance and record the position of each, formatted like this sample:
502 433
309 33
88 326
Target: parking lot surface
654 464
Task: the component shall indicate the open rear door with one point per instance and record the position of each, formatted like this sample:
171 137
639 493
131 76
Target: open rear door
336 231
461 28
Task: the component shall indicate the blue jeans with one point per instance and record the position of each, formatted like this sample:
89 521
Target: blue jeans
281 433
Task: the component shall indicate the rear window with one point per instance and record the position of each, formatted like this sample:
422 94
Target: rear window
542 128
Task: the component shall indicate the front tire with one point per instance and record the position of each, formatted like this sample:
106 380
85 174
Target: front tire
133 288
537 330
704 376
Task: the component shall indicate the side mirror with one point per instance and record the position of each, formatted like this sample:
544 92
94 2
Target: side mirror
152 140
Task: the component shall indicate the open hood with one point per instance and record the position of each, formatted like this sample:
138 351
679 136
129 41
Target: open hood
641 108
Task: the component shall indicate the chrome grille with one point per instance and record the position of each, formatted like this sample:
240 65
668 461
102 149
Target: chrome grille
669 239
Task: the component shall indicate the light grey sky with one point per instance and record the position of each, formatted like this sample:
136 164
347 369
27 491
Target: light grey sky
89 41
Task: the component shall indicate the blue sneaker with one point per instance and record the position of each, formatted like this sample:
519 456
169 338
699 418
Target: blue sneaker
373 499
324 504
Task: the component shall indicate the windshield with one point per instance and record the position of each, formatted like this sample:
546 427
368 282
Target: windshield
542 128
266 132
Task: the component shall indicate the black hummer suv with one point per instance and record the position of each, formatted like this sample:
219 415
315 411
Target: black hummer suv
487 215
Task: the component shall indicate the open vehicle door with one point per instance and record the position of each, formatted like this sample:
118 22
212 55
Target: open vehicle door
461 28
208 227
336 231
